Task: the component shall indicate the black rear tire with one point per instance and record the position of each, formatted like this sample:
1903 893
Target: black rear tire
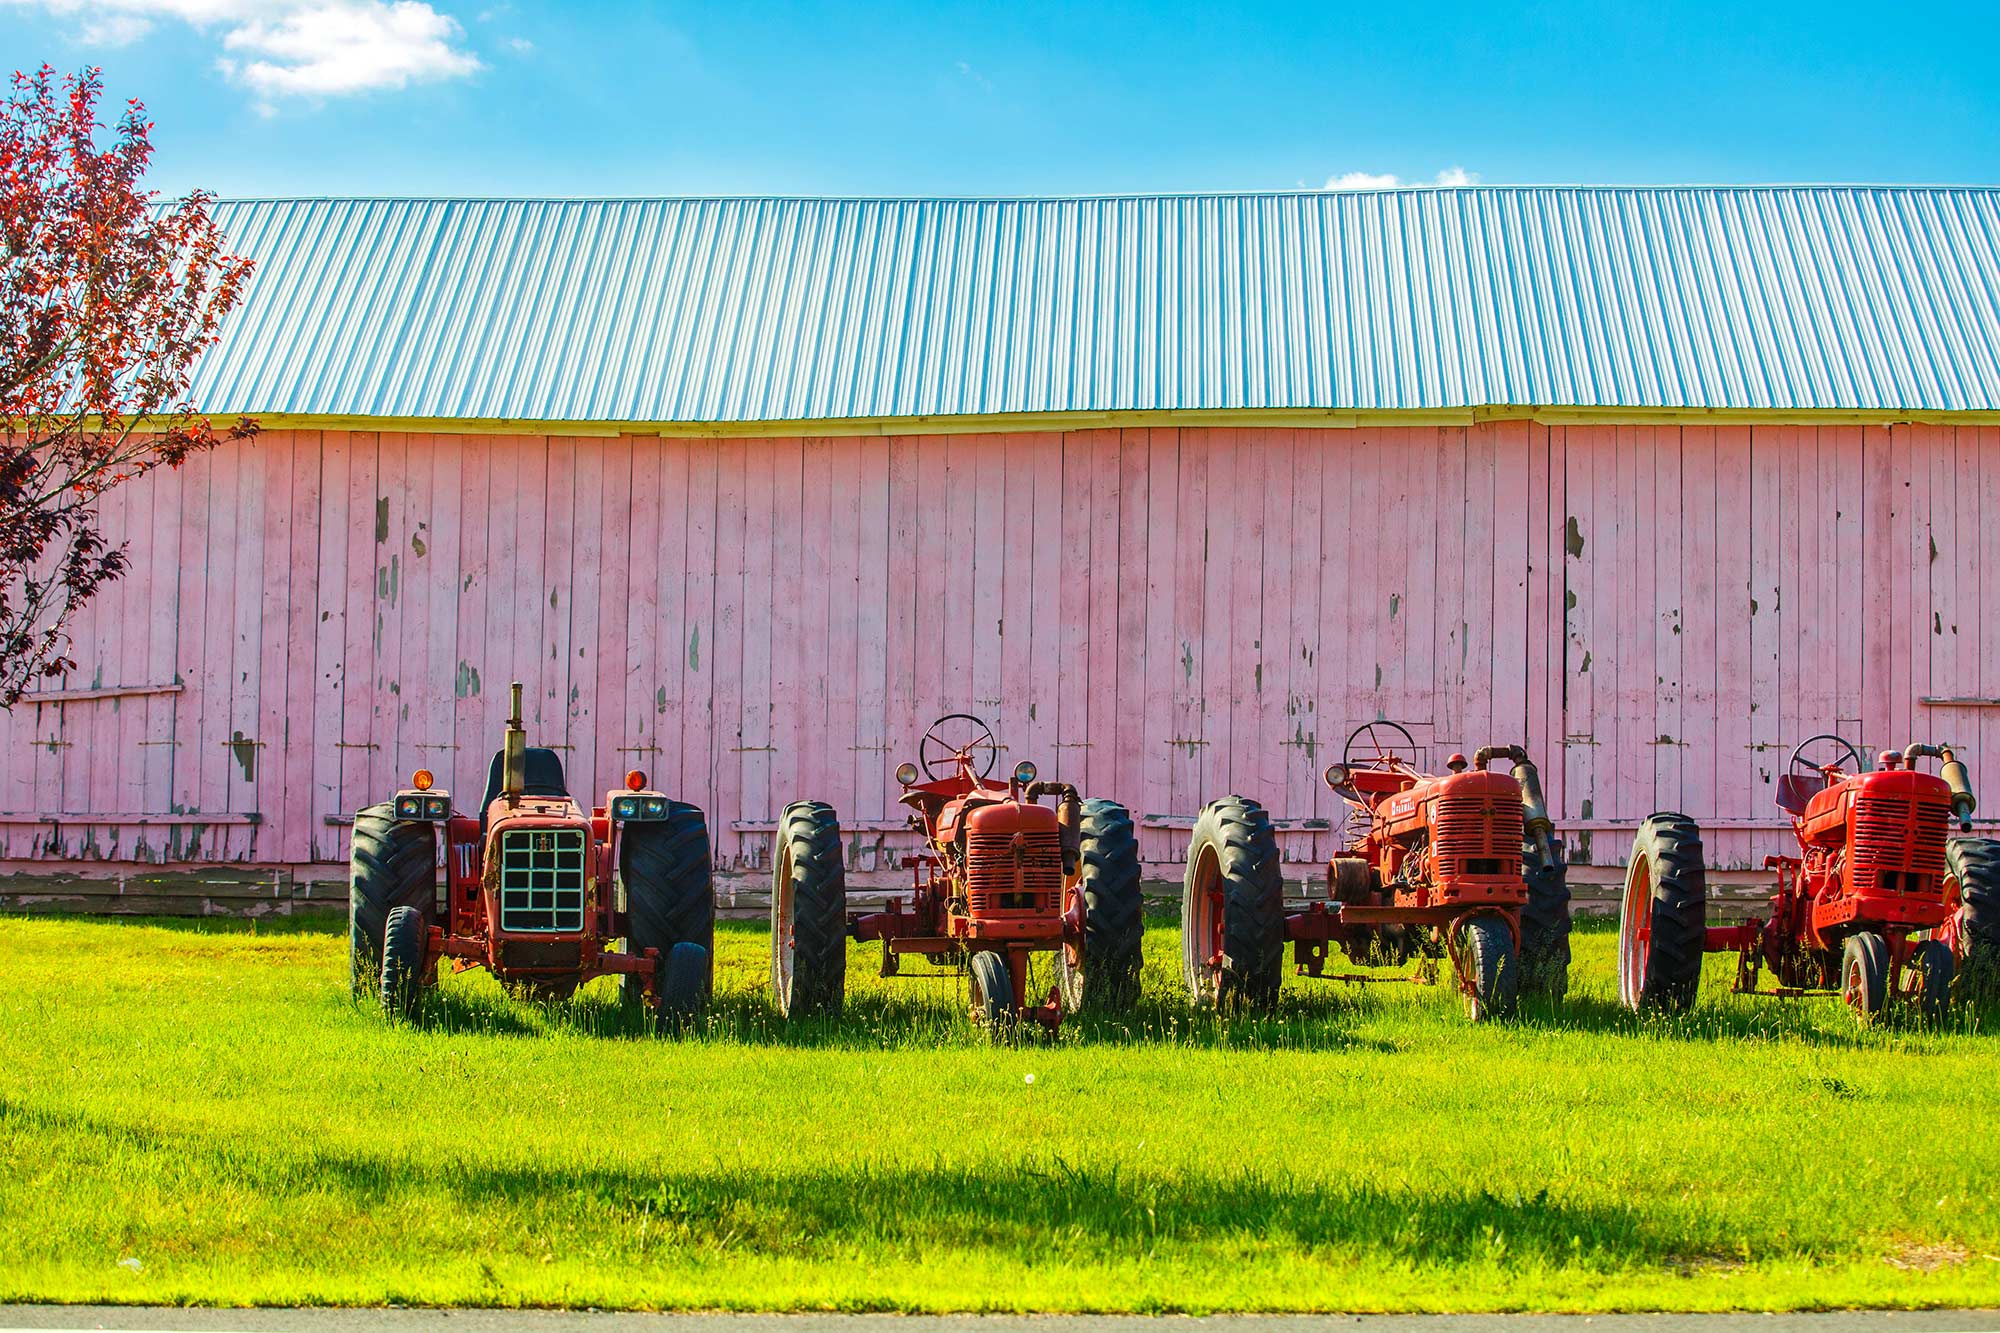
1864 974
1234 853
1114 923
1975 864
1487 947
392 863
808 913
992 995
669 895
1666 890
1545 927
404 937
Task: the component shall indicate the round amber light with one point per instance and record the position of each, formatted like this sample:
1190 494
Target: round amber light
636 779
422 779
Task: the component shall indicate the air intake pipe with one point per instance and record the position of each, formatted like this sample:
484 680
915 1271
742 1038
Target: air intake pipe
1952 770
1069 820
514 769
1541 830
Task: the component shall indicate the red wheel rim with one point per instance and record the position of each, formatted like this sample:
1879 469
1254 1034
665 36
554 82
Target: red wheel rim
1201 940
1635 932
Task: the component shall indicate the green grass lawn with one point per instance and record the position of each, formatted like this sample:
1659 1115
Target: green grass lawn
196 1112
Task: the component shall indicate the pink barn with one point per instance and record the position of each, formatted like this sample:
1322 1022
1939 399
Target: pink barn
1175 491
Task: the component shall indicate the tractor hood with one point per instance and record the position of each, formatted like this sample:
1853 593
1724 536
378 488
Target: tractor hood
1405 812
985 814
1894 784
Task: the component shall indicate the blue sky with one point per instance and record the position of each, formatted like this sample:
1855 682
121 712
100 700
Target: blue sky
261 97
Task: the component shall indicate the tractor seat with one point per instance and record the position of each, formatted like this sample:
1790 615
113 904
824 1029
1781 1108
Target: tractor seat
542 776
1796 790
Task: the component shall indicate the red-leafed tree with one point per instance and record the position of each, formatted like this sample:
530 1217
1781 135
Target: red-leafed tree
107 297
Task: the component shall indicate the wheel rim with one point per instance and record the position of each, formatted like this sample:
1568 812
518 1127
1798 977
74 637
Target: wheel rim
1635 932
1201 933
784 941
1852 989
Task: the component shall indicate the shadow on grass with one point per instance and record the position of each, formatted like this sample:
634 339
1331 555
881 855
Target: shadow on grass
826 1211
1719 1015
921 1017
302 923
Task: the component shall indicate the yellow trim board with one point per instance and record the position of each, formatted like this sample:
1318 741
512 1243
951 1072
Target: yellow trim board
1022 422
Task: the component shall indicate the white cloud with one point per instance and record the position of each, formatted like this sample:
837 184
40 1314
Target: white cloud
520 45
1363 180
1370 180
294 48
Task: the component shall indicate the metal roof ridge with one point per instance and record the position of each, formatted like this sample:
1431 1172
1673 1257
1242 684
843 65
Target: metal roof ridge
1139 195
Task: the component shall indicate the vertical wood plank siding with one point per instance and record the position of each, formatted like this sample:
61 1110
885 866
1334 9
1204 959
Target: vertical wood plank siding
1163 615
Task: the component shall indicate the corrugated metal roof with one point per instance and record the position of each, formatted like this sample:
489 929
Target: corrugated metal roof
744 310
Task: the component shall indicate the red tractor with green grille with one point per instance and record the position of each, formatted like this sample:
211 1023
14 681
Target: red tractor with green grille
1462 866
1000 879
528 890
1879 903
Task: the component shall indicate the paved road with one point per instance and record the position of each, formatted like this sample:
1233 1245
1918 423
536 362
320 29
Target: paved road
135 1319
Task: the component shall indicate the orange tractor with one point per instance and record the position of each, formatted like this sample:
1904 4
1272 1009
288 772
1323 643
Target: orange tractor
1462 866
1001 878
1879 903
529 891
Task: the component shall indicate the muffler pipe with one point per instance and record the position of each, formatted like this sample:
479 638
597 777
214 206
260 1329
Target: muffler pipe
1534 806
1069 821
514 780
1952 770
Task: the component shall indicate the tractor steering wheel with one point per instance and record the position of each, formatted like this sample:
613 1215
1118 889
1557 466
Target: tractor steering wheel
1389 751
1847 757
981 738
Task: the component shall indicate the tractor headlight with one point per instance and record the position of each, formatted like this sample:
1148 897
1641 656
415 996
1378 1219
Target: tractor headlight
656 807
409 807
1336 775
437 807
625 807
906 773
1024 772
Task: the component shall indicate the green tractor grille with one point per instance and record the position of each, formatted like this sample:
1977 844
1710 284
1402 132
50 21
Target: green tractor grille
541 879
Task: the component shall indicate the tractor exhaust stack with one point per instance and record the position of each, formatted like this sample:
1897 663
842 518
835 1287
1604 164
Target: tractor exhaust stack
1534 806
1952 769
515 779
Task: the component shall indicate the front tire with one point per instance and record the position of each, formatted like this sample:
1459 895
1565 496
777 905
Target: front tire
683 985
1106 978
1864 974
669 898
1933 963
1975 864
1663 917
405 937
1494 972
992 995
1233 907
808 913
392 863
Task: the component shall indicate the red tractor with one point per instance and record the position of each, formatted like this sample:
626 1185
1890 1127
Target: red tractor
1463 866
1879 902
1001 878
529 892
